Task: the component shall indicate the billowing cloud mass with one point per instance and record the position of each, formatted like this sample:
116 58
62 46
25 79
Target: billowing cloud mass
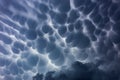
59 40
79 71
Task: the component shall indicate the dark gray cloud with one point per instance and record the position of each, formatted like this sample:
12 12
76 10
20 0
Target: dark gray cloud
60 39
79 71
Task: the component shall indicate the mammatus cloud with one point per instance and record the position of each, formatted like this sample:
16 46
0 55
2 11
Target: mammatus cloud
59 39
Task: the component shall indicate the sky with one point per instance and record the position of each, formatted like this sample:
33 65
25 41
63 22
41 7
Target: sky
59 39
